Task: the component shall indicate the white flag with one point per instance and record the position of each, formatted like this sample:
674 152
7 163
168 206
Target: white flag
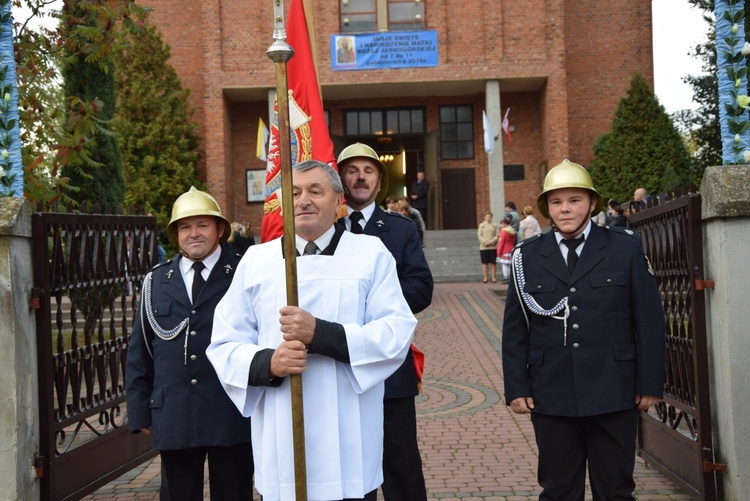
489 135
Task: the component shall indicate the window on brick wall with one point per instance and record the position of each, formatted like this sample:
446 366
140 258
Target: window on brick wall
362 16
379 122
456 132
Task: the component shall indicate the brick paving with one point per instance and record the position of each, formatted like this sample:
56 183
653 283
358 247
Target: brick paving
474 448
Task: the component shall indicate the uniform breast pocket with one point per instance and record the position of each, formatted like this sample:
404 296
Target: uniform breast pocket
162 309
610 289
543 291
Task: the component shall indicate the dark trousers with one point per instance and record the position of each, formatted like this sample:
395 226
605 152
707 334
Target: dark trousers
566 444
423 213
402 465
230 471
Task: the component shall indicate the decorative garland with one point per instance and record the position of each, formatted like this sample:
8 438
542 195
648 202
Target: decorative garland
10 136
731 50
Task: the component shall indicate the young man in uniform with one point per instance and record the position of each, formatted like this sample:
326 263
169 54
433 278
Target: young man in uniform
583 342
363 175
172 390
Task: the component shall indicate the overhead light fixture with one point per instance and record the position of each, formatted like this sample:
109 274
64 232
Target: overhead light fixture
386 158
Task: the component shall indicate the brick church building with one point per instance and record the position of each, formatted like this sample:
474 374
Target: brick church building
416 87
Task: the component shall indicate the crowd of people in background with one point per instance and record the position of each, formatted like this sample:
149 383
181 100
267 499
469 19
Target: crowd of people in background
494 249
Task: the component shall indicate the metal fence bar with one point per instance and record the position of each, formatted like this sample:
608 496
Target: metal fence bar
87 274
676 436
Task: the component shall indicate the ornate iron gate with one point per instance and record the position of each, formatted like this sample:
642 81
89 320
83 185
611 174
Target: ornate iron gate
675 436
87 274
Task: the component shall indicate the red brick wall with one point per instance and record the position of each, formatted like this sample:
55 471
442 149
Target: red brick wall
581 54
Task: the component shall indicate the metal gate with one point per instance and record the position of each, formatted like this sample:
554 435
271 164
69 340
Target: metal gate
675 436
87 274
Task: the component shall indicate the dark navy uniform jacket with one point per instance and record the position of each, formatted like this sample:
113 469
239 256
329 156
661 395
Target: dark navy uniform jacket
401 238
615 331
183 402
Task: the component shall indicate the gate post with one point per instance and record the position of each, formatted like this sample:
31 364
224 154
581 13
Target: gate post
19 411
726 219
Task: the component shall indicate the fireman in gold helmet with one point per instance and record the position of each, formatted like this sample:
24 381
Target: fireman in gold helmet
368 188
365 179
173 392
583 342
571 177
197 203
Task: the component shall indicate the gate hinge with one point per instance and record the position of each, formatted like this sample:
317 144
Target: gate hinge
708 466
39 466
704 284
35 299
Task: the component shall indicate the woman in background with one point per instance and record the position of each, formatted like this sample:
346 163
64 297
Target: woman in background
487 235
529 225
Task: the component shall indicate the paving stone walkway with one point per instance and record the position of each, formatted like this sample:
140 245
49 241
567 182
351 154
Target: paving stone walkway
474 448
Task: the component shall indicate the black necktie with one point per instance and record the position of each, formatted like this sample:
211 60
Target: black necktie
310 249
354 218
572 244
198 281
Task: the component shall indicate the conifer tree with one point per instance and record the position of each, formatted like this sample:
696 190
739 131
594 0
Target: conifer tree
642 150
89 82
158 139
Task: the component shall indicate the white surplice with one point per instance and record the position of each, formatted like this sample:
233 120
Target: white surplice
343 403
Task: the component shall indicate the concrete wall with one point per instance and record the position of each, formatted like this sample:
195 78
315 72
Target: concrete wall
726 213
19 413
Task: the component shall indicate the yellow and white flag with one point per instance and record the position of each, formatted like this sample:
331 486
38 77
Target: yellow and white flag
260 148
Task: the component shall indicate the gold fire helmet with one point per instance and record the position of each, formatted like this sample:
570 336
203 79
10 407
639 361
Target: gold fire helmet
196 203
567 175
362 150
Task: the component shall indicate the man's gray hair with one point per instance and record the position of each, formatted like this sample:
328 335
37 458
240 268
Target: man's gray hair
333 176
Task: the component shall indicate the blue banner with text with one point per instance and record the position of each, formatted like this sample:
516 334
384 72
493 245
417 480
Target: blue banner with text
376 51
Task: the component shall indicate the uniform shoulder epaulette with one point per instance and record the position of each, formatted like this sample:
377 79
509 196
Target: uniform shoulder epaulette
163 263
621 230
397 214
527 241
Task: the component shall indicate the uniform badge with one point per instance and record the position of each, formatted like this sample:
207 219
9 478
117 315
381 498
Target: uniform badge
228 270
648 266
169 274
380 224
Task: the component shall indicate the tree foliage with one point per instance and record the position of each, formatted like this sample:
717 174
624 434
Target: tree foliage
642 150
89 78
61 132
158 139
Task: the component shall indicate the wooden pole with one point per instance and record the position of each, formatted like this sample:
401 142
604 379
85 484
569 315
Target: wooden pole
280 53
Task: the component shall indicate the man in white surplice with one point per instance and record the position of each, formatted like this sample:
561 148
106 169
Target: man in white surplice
351 331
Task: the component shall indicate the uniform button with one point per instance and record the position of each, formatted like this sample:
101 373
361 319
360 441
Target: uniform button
575 326
609 280
574 308
572 289
538 287
193 382
193 333
576 345
193 312
193 357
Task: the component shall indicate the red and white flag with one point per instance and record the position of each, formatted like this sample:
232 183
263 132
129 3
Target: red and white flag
506 125
309 132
